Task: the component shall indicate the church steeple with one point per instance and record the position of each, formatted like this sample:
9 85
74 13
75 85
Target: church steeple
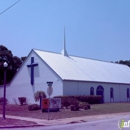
64 52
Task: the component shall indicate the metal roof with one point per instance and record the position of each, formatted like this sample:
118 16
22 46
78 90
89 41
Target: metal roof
83 69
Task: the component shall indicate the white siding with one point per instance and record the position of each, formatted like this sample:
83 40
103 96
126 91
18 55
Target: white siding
70 88
83 88
78 75
21 87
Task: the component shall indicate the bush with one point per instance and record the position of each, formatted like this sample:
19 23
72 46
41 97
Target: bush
2 100
76 104
33 107
72 107
84 104
66 101
85 107
77 108
90 99
22 100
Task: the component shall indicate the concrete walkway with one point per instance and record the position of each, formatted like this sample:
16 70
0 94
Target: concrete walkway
67 120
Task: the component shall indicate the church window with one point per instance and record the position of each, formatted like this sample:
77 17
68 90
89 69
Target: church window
111 93
128 94
91 91
100 91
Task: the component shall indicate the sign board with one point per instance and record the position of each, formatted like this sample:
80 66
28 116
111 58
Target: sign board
45 103
55 102
49 90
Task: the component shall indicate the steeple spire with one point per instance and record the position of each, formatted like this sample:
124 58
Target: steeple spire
64 52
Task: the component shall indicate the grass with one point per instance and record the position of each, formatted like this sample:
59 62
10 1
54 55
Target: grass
96 109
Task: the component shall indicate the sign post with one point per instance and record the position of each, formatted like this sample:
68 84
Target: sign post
49 92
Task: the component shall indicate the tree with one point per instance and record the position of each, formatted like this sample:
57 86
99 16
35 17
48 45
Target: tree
127 62
13 63
39 95
6 55
23 58
16 63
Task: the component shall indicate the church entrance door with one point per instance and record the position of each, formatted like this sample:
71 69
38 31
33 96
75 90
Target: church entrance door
100 91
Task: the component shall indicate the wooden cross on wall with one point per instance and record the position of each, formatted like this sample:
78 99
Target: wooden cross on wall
32 65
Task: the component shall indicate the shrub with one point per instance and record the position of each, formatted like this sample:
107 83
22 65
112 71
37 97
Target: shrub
90 99
76 104
77 108
65 103
2 100
85 107
84 104
22 100
33 107
72 107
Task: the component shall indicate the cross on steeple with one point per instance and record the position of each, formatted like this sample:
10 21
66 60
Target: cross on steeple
32 65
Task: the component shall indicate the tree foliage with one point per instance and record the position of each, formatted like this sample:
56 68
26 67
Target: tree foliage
23 58
39 94
14 63
126 62
6 55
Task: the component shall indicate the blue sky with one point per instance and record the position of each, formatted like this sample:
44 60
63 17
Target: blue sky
97 29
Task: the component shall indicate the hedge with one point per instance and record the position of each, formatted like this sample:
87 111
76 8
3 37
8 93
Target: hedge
33 107
22 100
66 102
89 99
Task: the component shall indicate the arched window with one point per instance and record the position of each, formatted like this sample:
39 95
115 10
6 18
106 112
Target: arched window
111 93
128 94
91 91
100 91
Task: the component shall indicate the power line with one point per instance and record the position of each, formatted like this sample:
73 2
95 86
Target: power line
9 7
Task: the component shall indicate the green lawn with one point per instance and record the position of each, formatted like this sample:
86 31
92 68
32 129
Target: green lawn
109 108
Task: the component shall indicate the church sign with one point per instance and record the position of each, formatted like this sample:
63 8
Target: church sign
53 104
45 103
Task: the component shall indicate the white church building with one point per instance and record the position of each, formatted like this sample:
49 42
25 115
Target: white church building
71 75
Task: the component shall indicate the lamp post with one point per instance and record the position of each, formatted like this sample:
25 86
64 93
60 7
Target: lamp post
5 67
49 92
